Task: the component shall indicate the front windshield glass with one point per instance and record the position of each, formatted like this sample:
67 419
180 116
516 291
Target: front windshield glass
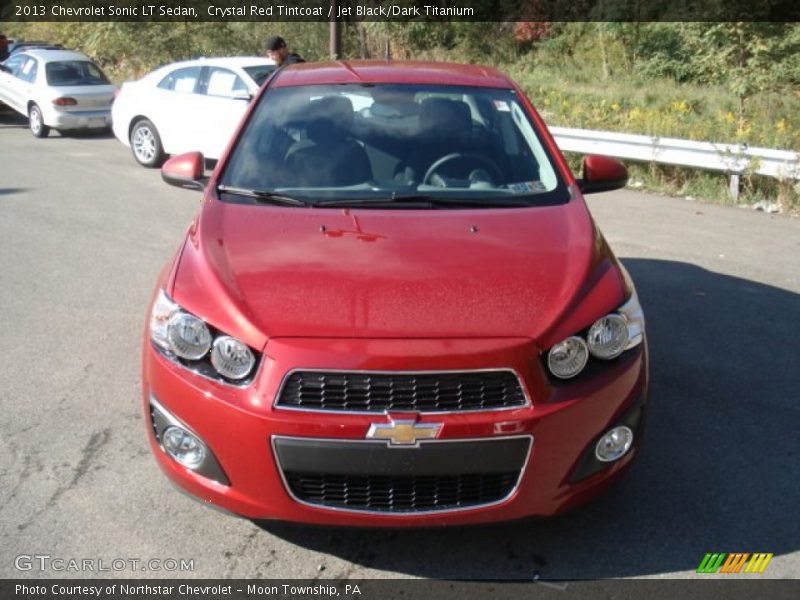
344 143
74 72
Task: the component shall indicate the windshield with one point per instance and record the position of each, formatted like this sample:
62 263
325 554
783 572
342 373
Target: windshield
259 73
74 72
346 143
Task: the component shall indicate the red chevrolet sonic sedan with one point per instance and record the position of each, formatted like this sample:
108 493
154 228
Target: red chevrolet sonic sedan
394 309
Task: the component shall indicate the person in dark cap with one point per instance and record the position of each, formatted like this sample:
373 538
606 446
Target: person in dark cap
278 51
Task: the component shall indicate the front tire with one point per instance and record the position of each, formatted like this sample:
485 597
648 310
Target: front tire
146 144
36 122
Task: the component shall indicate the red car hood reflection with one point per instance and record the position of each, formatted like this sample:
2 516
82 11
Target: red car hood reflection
387 273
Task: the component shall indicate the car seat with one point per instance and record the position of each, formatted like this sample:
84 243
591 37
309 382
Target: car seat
329 156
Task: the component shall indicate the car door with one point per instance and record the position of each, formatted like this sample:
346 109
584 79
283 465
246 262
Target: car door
175 109
25 84
224 101
10 84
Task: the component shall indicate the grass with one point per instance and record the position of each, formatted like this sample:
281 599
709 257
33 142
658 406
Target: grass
575 97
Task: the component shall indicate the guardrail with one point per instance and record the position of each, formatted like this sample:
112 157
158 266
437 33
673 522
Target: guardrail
733 159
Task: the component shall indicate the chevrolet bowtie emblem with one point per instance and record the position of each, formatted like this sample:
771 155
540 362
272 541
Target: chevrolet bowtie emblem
403 433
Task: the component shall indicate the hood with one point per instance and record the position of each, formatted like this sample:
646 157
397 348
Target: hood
300 272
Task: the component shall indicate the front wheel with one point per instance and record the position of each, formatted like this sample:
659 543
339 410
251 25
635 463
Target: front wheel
146 144
36 122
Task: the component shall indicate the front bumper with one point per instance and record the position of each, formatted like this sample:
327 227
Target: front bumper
248 435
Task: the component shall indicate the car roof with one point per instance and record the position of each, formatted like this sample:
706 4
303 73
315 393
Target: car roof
223 61
381 71
21 46
54 55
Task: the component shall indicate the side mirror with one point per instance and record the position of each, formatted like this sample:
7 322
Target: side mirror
602 174
186 171
246 96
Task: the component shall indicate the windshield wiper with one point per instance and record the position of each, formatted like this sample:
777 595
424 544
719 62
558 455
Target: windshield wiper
264 196
425 201
411 199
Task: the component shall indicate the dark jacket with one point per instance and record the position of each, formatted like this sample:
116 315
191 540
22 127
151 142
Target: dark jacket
293 59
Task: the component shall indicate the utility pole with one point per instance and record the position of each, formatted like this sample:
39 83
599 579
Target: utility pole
335 32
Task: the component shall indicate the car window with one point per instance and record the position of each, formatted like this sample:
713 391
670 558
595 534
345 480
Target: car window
74 72
351 141
260 73
182 80
13 63
28 69
224 82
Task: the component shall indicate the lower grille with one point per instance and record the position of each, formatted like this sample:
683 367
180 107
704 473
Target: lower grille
401 494
421 392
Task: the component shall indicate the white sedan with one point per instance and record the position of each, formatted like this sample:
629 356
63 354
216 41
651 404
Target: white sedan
56 89
187 106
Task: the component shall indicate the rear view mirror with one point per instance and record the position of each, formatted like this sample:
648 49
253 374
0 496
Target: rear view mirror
185 170
602 174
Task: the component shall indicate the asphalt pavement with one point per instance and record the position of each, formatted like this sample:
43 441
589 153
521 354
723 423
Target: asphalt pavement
83 234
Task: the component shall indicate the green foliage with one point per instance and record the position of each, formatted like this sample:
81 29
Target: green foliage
129 50
662 51
747 57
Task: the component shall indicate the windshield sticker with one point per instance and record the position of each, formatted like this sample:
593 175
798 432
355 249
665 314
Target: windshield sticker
527 187
502 106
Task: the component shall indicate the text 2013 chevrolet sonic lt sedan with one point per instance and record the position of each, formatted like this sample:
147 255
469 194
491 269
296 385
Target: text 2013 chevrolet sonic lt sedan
394 309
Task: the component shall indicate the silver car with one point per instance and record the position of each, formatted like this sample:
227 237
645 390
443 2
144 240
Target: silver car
56 89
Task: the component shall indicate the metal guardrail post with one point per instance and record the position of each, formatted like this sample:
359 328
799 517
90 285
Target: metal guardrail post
734 185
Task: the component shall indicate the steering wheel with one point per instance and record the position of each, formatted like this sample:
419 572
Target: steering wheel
437 164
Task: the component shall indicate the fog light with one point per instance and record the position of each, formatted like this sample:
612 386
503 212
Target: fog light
614 444
183 447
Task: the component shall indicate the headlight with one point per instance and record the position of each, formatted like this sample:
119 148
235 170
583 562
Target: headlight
566 359
231 358
633 314
181 335
188 336
163 309
608 337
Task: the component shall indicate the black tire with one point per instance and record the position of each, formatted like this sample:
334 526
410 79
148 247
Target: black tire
36 122
146 144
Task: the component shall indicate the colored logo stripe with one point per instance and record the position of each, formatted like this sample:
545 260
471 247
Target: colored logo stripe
758 563
734 562
711 563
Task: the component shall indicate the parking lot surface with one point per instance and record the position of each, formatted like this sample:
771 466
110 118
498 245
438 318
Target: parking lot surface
83 234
